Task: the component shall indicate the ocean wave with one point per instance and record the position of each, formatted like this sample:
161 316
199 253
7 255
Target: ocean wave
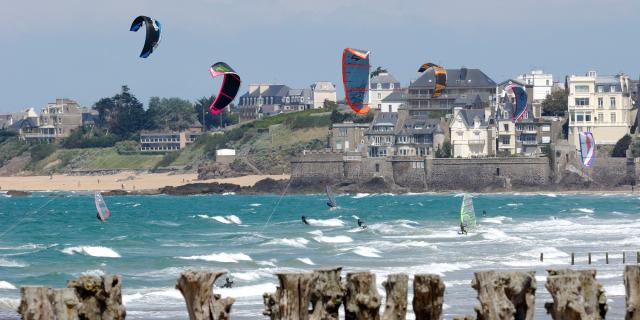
225 220
9 304
220 257
306 261
334 222
361 195
228 193
499 235
585 210
6 285
97 251
267 263
296 242
615 290
247 291
326 239
496 220
12 264
367 252
255 204
233 218
96 273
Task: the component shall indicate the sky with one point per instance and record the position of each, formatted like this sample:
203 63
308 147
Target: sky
82 49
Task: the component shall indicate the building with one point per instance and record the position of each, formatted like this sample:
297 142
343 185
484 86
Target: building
7 120
466 88
349 137
163 141
381 135
323 91
56 121
541 82
262 100
418 136
394 101
601 105
471 133
380 87
226 156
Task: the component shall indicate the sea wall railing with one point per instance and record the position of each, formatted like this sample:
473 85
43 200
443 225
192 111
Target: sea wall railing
590 257
323 294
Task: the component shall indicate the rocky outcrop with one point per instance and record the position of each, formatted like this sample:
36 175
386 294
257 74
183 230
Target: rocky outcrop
428 296
505 295
88 298
202 304
632 287
200 188
576 295
362 300
18 193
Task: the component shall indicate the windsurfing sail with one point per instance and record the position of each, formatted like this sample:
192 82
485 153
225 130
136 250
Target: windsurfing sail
441 77
355 77
332 200
152 39
101 207
229 88
521 101
467 213
587 148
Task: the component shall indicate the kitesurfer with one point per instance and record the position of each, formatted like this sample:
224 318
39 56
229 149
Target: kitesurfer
228 283
361 224
304 220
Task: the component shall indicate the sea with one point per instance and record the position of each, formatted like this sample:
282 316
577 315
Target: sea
46 239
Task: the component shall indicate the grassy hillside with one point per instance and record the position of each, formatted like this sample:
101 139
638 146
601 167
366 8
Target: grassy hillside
64 160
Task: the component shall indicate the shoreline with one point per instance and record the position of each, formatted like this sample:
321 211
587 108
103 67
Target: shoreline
123 181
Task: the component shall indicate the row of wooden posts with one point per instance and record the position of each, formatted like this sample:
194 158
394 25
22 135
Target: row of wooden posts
606 257
322 294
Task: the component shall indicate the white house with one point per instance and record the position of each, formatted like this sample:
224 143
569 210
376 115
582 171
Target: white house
380 87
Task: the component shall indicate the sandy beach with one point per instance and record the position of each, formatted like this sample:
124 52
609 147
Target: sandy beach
123 181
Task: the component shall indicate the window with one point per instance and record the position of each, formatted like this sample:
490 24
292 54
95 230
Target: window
613 88
613 102
379 86
600 89
587 117
547 82
506 127
582 89
379 96
579 117
391 86
343 132
377 167
613 117
582 101
600 118
379 106
506 140
600 103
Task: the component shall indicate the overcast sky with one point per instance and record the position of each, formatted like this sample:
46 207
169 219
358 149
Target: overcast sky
82 49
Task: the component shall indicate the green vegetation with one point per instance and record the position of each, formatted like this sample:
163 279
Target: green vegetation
201 108
445 151
109 158
555 104
10 146
378 70
90 137
620 149
172 114
167 160
122 114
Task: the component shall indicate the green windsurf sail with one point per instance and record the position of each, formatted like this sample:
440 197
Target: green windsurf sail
467 213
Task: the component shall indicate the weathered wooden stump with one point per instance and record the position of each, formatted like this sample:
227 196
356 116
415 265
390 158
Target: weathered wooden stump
576 295
632 288
41 303
291 299
100 297
327 294
362 300
428 295
202 304
505 295
396 287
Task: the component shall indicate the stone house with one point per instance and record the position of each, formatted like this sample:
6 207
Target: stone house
471 133
381 135
349 137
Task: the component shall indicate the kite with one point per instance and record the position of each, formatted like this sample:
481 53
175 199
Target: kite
587 148
521 101
101 207
229 88
153 34
441 77
355 77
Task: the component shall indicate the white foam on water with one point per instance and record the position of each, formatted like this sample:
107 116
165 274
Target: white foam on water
267 263
551 195
326 239
514 204
9 304
306 261
295 242
255 204
136 205
94 251
234 219
614 275
247 291
246 276
96 273
6 285
126 298
221 219
355 217
361 195
220 257
452 283
615 290
496 220
585 210
497 235
334 222
228 193
367 252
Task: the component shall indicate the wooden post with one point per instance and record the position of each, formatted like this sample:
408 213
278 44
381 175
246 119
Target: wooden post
573 258
362 300
396 287
624 258
606 257
327 294
292 297
541 257
638 257
428 294
197 289
589 257
505 295
576 295
632 286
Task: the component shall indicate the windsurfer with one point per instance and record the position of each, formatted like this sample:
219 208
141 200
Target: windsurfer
304 220
463 229
361 224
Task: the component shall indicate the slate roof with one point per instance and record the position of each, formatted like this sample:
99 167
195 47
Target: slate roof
468 115
456 78
396 96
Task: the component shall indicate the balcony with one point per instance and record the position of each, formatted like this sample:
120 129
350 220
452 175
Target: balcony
529 142
38 135
529 131
476 141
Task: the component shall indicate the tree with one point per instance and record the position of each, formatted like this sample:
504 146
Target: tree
620 149
228 116
173 114
444 151
378 71
121 114
555 104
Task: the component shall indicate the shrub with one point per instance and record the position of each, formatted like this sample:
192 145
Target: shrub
168 159
127 147
620 149
41 151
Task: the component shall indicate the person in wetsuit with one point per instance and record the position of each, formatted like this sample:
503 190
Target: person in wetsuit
361 224
304 220
228 283
462 229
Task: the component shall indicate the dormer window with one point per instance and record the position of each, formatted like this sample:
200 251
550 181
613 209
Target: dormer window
391 86
379 86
